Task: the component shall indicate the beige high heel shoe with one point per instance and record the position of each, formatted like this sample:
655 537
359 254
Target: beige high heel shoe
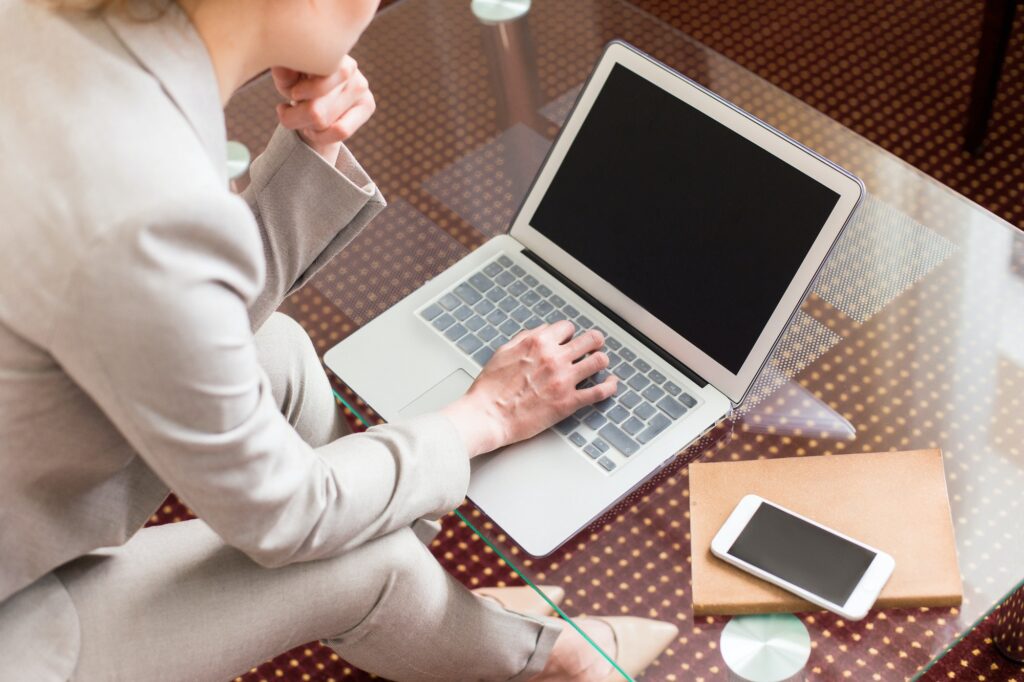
523 599
638 641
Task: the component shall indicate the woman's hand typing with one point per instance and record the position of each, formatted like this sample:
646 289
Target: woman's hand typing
529 385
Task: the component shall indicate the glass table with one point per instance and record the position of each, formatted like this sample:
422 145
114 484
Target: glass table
912 338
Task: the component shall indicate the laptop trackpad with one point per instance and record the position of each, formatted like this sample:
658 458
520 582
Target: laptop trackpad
442 393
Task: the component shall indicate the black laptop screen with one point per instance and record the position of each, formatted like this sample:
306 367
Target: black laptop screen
689 219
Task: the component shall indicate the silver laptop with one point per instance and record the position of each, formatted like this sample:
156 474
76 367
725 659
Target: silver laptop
684 229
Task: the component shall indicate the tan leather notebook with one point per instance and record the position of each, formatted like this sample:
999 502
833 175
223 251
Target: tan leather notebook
895 501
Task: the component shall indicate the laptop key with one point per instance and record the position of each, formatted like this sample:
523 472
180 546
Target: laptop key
505 260
508 304
469 344
518 271
652 393
671 407
442 322
618 439
431 311
606 463
520 314
557 300
543 291
554 316
481 282
617 414
613 359
582 413
687 399
474 323
638 382
656 376
467 293
604 405
594 420
498 342
577 439
533 323
483 307
449 301
543 308
632 426
612 343
624 371
505 278
496 317
644 411
570 311
585 322
483 355
495 295
672 389
462 314
567 425
592 450
455 332
509 328
630 399
529 298
629 355
531 280
656 426
642 366
517 289
487 333
492 269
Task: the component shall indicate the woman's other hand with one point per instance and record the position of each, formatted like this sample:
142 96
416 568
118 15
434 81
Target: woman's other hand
326 110
529 385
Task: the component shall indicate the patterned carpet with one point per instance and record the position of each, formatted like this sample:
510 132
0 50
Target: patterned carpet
898 74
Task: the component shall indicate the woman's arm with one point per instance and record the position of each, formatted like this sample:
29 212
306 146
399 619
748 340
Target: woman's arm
154 326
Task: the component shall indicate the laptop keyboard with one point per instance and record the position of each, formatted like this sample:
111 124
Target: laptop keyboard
501 299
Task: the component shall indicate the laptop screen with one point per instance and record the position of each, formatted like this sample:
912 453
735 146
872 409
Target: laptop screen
686 217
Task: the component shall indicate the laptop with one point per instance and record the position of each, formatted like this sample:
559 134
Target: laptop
684 229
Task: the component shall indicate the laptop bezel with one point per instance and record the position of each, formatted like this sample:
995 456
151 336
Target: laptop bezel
733 385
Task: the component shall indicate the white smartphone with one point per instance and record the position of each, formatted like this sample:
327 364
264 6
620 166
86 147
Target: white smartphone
810 560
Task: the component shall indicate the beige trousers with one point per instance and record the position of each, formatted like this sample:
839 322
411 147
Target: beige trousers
176 603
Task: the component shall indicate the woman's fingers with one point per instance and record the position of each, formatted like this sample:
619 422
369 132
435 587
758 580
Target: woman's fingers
319 114
559 332
312 87
587 342
589 366
284 80
595 394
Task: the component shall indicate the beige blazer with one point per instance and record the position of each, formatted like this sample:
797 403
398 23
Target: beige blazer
131 280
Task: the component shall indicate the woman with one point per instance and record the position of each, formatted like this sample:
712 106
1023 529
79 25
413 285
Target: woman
131 281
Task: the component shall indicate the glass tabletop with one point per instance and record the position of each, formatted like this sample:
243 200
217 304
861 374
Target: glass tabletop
912 338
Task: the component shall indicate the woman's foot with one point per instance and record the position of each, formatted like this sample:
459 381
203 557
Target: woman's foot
634 643
523 599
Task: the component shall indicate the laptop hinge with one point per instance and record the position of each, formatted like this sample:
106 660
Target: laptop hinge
636 333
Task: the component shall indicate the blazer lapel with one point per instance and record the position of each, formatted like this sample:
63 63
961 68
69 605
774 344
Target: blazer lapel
171 50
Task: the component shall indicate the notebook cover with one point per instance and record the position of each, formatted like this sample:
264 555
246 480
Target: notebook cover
895 501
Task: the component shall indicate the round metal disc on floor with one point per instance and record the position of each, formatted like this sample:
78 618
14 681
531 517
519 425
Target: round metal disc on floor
496 11
766 648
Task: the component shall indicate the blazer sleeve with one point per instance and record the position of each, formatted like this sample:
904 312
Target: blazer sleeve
154 326
307 211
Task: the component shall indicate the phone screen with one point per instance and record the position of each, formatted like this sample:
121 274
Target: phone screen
802 554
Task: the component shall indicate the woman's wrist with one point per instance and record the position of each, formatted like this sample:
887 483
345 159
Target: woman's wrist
479 428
